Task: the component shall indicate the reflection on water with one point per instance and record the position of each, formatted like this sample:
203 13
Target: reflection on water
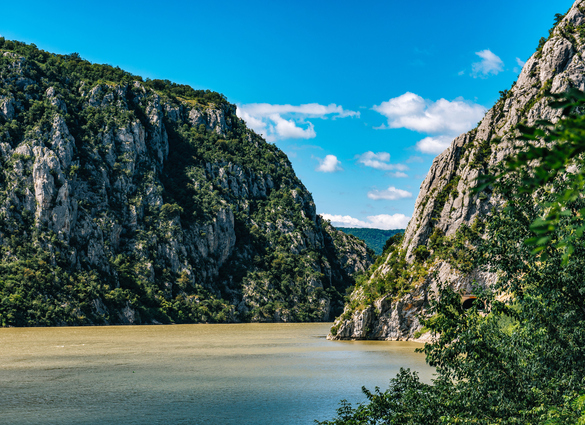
189 374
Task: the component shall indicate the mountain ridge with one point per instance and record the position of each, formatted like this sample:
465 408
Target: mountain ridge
129 201
374 238
436 248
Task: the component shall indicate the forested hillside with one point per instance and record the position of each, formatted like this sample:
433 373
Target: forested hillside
492 266
449 216
126 200
374 238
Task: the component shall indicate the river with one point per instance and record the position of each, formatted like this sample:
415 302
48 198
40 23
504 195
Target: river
190 374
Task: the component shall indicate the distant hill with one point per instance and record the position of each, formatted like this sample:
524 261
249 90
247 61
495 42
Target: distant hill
447 209
133 201
374 238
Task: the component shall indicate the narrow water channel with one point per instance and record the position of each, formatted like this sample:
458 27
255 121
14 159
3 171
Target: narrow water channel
189 374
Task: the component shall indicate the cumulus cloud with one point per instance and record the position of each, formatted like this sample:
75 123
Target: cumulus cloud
313 110
415 113
442 120
398 174
520 63
489 64
330 164
382 221
390 194
388 222
279 122
415 158
379 161
434 145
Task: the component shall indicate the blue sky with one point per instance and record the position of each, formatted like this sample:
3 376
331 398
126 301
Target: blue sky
361 96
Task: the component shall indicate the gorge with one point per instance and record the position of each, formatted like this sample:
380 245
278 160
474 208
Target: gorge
131 201
436 248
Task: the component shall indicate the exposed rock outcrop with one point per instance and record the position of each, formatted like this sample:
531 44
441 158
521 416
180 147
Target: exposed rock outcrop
446 202
130 201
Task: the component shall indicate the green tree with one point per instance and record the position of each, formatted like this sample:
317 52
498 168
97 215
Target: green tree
551 152
522 358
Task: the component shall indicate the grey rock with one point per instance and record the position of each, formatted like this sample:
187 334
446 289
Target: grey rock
62 143
55 99
557 67
7 107
212 118
128 315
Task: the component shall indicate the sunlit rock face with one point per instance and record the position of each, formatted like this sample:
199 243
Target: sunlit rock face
128 202
446 201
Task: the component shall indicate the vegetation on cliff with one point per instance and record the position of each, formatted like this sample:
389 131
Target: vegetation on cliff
374 238
438 247
125 200
518 355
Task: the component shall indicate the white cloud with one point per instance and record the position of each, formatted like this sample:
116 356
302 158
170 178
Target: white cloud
254 123
313 110
415 158
278 122
390 194
398 174
521 64
490 64
329 165
382 221
415 113
434 145
442 120
344 220
387 222
287 129
379 161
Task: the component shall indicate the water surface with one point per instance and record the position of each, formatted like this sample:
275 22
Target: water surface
189 374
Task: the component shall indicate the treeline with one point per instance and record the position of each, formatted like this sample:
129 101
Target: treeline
517 356
73 66
374 238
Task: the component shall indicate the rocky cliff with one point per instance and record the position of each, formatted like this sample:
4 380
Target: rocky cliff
132 201
437 248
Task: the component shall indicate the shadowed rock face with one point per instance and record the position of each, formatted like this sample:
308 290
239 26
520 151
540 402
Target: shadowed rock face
170 206
445 201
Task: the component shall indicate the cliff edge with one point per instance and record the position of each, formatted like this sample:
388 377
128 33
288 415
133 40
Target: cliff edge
128 201
447 213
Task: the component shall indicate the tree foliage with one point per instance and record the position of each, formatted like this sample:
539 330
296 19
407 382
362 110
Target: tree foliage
374 238
518 355
145 206
552 151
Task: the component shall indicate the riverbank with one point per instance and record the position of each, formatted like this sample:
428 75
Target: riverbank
207 374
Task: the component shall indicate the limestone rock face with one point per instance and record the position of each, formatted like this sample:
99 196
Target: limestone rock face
217 120
445 201
146 207
7 107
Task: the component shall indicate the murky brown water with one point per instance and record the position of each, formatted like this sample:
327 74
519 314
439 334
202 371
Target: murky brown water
189 374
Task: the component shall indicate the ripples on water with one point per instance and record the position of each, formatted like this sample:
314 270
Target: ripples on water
189 374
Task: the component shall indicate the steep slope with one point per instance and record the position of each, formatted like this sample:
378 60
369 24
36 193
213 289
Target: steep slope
131 201
374 238
437 247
